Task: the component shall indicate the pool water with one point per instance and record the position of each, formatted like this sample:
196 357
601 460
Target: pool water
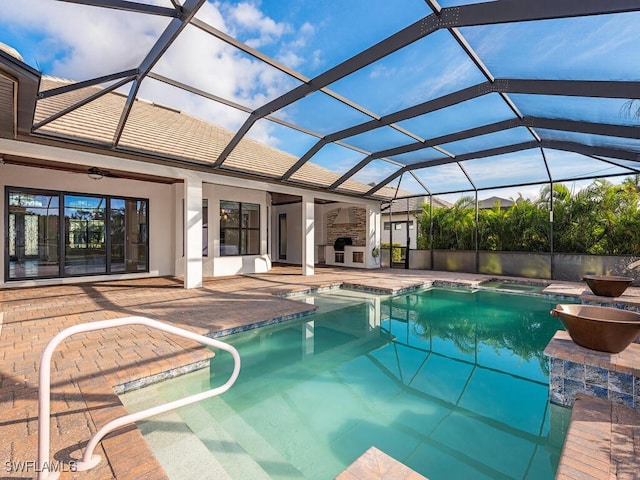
452 383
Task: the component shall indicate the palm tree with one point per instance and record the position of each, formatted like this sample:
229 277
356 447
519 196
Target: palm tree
631 109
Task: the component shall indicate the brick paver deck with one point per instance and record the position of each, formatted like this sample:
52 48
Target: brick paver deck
377 465
86 367
603 441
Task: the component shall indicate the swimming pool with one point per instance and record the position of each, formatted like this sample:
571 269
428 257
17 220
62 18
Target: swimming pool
453 383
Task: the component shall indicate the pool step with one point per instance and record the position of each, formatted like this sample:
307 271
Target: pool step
190 444
181 453
240 458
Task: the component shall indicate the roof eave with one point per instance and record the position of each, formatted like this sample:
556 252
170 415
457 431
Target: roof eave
28 80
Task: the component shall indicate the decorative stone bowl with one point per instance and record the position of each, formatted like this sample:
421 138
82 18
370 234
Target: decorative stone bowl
605 329
607 286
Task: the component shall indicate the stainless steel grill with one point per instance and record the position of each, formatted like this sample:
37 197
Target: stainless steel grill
341 242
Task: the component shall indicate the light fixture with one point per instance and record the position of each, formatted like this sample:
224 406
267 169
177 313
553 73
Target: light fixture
95 173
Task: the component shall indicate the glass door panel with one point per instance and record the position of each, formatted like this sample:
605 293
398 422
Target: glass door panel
137 242
129 246
117 222
33 235
85 235
282 236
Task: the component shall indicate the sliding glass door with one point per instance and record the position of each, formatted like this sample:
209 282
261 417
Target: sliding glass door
33 226
55 234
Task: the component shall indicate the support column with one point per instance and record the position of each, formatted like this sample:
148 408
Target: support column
308 235
374 228
193 232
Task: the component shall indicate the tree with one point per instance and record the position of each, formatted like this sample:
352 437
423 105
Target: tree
631 109
602 218
453 227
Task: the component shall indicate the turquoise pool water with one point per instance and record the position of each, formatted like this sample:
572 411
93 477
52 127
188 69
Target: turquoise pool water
453 383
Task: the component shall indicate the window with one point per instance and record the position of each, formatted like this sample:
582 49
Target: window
282 236
54 234
398 225
205 227
239 228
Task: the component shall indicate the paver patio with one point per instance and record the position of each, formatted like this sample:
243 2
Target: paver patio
87 366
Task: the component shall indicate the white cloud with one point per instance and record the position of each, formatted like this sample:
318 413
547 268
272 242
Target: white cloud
382 71
317 59
81 42
375 172
291 59
248 21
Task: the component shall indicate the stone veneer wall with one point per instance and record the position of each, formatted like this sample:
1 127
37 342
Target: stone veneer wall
357 231
574 369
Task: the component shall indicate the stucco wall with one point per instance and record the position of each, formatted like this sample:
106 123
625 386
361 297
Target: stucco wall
294 232
293 212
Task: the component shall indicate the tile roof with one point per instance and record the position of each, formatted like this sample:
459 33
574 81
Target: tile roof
158 130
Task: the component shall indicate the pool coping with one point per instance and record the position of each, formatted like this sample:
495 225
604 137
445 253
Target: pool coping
374 464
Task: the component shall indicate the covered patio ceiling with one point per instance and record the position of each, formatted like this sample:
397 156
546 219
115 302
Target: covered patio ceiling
409 97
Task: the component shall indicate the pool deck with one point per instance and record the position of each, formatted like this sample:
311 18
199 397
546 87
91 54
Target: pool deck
87 367
603 441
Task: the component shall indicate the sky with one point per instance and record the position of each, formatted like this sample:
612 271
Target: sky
80 42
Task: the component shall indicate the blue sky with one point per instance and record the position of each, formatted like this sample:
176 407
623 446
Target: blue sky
80 42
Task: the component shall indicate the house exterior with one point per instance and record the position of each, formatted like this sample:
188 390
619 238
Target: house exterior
154 206
491 202
400 219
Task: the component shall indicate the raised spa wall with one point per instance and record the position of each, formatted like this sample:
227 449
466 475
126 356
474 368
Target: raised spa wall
573 369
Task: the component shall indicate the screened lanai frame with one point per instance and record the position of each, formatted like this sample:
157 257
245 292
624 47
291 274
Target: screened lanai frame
387 144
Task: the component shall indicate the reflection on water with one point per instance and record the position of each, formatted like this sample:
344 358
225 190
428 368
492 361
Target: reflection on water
451 383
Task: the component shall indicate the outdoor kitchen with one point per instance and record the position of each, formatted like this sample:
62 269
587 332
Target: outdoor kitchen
346 237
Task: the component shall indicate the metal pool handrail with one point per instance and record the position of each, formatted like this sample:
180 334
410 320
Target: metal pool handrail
45 472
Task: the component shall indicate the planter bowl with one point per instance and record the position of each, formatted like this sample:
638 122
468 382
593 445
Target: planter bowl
607 286
604 329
